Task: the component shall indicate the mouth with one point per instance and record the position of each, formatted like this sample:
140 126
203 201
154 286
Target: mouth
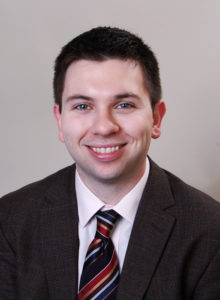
106 149
106 153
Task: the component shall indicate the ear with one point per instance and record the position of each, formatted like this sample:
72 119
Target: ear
57 116
158 113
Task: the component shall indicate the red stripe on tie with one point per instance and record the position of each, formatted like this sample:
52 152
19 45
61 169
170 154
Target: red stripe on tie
104 230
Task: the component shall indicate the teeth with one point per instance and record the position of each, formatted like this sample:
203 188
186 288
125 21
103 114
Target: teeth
105 150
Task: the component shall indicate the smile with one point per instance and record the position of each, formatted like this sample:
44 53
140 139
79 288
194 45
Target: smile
104 150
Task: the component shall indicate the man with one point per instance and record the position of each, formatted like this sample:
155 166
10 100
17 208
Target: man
156 237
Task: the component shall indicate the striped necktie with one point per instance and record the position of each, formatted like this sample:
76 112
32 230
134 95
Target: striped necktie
100 275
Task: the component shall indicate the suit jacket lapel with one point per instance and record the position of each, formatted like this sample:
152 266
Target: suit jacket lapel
150 233
59 224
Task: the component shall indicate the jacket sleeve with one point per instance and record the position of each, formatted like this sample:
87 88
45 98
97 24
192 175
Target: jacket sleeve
208 287
7 269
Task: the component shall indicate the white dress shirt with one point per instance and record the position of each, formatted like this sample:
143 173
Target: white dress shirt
89 205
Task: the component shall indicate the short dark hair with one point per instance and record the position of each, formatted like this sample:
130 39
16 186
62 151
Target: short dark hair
102 43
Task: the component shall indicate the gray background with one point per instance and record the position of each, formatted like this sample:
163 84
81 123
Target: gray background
185 35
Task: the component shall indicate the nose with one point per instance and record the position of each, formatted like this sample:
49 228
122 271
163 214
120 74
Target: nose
105 124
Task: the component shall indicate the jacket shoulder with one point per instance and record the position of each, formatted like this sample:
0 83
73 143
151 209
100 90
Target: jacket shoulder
190 195
32 195
198 214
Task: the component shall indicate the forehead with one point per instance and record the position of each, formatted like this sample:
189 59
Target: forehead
115 72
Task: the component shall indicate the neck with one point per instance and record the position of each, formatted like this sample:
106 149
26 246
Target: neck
111 192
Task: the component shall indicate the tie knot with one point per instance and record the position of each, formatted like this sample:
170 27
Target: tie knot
106 221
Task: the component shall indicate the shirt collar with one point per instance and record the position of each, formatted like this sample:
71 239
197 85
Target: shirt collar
89 204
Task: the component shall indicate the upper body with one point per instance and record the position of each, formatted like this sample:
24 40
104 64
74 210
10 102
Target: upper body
173 251
108 107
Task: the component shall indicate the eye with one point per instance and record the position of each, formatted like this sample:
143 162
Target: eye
82 106
125 105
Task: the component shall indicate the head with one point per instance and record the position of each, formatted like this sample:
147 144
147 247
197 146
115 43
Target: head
103 43
108 105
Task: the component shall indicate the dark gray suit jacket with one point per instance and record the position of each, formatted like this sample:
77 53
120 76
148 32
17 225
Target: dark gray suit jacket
173 252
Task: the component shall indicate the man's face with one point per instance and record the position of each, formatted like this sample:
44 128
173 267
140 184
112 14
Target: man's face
107 120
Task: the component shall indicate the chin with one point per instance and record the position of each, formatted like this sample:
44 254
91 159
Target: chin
111 177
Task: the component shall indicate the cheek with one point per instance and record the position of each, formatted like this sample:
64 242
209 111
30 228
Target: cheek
139 128
72 130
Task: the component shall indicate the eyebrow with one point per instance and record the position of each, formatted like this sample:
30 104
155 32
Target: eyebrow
78 96
126 95
88 98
